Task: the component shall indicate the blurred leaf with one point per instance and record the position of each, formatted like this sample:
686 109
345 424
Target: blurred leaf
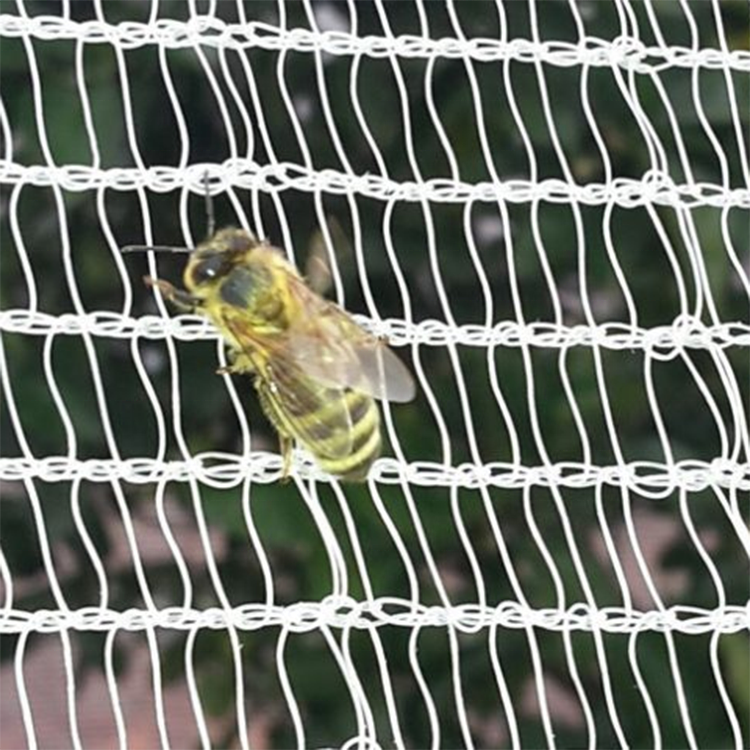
735 657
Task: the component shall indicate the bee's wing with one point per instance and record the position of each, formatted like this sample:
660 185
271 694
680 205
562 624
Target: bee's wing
318 273
315 412
330 346
370 367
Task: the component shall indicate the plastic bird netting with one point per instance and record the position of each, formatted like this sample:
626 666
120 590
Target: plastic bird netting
543 206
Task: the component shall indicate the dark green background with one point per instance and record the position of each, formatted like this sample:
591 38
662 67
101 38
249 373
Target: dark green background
300 565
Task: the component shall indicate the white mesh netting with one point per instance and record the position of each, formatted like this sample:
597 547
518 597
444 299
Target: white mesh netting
544 206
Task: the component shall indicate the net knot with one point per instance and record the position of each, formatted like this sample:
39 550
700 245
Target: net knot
657 187
627 52
665 343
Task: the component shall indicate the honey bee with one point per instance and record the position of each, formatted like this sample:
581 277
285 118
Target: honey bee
316 371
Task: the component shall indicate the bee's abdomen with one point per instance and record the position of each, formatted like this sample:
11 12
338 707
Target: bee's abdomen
345 452
364 436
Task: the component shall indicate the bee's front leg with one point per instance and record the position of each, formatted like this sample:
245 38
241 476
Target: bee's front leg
239 364
181 299
286 444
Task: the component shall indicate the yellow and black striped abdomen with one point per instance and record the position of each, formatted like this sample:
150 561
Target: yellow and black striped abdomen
365 439
341 428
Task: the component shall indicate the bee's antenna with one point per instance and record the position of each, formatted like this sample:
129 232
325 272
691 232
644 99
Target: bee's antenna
210 216
155 248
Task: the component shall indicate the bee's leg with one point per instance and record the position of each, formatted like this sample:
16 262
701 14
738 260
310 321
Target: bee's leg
239 364
181 299
230 368
268 402
286 444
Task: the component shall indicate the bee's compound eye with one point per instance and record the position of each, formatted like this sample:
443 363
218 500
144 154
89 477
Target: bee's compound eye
207 269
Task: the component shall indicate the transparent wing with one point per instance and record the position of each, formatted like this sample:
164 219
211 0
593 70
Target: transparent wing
315 413
318 272
330 346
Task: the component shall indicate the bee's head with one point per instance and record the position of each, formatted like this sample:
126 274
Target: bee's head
214 259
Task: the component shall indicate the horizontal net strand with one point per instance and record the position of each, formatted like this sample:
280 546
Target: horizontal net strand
226 470
347 613
662 342
654 188
623 51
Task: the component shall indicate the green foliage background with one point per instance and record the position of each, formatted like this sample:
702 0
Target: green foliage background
300 563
